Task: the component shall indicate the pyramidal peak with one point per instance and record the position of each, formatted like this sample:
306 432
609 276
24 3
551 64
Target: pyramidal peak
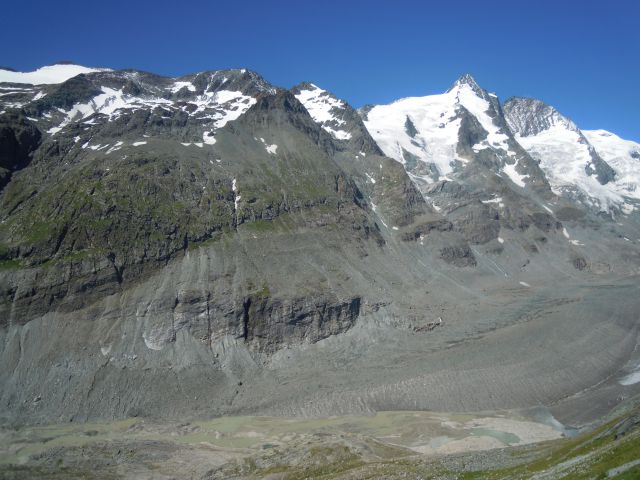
467 80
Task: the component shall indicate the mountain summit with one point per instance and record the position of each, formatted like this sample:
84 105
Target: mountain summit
466 79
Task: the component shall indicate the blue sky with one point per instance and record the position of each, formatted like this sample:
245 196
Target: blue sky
581 56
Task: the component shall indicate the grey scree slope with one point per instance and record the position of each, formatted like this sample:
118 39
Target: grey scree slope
196 253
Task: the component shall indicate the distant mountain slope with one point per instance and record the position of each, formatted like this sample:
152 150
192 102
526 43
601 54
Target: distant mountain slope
572 163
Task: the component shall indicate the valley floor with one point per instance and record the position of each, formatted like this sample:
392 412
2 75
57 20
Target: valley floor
500 445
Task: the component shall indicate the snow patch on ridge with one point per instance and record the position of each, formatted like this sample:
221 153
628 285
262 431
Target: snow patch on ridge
177 86
321 104
216 108
497 200
51 74
513 174
229 106
208 138
109 102
271 149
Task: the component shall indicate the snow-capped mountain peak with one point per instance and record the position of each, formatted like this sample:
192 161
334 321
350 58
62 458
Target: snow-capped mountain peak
424 133
597 167
468 81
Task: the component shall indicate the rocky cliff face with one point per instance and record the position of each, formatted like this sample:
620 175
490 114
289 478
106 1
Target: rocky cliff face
19 139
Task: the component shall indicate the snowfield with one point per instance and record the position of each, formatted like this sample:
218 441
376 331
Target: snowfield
47 75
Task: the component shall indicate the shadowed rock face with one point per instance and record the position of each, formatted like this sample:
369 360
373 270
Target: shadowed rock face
263 323
528 116
268 324
163 241
19 138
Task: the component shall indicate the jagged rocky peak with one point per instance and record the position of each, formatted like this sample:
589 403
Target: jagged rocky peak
467 79
243 80
461 155
467 83
529 116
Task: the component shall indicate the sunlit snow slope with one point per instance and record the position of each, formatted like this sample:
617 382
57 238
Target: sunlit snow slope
597 166
46 75
624 158
423 133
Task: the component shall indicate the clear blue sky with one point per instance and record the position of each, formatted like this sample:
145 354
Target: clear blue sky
581 56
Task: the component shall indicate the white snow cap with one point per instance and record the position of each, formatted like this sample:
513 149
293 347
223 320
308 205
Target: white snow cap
47 75
426 128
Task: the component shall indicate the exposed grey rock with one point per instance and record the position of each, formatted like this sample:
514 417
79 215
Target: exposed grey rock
410 128
528 116
460 256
